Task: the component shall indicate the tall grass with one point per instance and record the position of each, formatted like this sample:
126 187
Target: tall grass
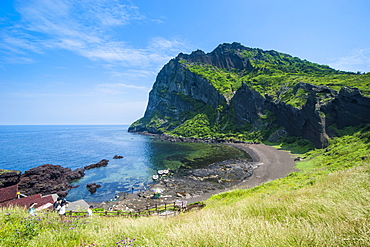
323 205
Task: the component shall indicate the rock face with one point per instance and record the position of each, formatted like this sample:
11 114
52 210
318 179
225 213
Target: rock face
9 178
349 108
172 93
177 92
305 122
48 179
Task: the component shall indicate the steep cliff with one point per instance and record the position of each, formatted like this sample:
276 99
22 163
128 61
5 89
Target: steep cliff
253 94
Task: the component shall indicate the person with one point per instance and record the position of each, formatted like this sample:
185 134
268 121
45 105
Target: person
89 211
56 205
62 210
31 209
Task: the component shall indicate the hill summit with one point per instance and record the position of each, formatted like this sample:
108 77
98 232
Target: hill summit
252 94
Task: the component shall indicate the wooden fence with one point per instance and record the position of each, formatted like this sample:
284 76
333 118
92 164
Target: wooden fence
165 209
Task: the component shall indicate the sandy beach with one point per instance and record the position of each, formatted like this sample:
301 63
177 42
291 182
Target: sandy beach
273 164
269 164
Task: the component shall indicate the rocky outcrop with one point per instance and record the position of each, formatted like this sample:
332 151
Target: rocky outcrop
349 108
311 121
248 104
48 179
305 122
117 157
9 177
101 163
92 187
225 56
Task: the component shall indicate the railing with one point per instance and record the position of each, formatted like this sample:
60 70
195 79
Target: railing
161 210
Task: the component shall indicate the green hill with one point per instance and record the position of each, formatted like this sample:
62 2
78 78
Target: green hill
253 95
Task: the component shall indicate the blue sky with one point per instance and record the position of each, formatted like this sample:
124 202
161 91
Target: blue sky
95 61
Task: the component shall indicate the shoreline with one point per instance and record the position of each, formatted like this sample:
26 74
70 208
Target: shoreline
268 163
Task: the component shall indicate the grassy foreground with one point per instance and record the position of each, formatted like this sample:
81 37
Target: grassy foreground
327 203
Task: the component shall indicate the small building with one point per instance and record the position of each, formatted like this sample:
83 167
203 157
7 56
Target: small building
8 193
9 196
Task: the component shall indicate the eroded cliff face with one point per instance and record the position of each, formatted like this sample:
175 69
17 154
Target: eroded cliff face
177 93
306 122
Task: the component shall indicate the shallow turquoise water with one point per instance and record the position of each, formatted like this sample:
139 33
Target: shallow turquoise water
25 147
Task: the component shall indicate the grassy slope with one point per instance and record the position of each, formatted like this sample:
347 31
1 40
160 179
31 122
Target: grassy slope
326 204
279 84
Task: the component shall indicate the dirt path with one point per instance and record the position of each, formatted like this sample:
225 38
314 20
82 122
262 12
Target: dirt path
273 164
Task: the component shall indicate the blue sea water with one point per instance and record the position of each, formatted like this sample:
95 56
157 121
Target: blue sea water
24 147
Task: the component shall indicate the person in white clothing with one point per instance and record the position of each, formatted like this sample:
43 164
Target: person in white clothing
89 211
62 210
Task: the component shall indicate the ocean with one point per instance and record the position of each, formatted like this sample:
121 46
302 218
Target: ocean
23 147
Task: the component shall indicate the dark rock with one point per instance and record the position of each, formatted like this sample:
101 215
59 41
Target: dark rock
48 179
76 174
118 157
9 177
92 187
349 108
62 194
101 163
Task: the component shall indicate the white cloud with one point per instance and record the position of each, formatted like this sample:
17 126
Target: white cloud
161 43
18 45
358 60
85 27
133 73
118 88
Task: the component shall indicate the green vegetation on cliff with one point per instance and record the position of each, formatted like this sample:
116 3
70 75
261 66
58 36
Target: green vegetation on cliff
224 81
270 62
201 127
278 81
256 94
198 126
273 73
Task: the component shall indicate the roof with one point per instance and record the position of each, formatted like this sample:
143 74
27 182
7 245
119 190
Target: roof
42 201
8 193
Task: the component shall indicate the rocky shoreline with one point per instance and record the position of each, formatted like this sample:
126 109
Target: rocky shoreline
198 185
45 179
190 185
